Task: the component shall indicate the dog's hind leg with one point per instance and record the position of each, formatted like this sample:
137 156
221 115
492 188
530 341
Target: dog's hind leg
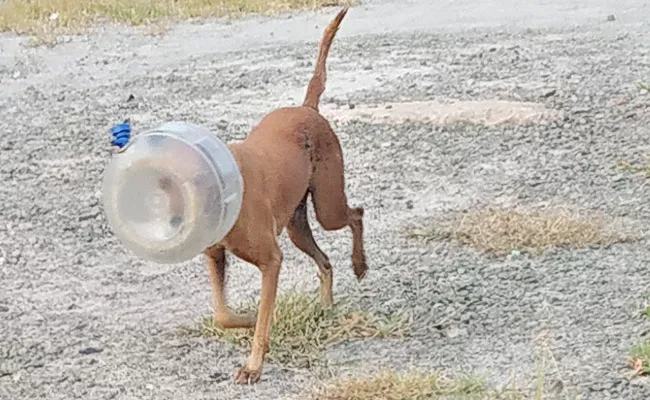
330 202
216 263
301 235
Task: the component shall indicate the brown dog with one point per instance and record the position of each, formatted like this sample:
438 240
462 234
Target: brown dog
292 153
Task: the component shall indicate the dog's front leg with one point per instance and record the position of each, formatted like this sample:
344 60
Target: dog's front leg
252 371
216 263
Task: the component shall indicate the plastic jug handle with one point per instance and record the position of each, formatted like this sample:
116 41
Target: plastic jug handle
121 134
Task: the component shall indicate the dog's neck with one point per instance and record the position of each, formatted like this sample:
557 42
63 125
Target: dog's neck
242 156
237 150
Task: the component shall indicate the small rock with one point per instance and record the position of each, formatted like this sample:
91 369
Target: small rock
16 75
596 387
615 383
112 395
351 106
90 350
549 93
580 110
367 67
130 98
219 377
388 106
611 17
453 332
222 124
557 387
88 216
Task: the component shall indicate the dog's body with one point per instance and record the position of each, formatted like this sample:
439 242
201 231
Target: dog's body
291 154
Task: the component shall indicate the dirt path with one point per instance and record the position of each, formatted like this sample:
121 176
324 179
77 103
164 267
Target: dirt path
80 318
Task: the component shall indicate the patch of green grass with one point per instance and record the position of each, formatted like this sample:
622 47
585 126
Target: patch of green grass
389 385
640 357
303 329
640 353
500 232
39 17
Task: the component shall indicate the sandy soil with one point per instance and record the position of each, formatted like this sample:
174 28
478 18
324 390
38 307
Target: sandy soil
82 318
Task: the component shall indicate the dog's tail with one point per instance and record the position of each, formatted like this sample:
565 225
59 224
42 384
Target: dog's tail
317 83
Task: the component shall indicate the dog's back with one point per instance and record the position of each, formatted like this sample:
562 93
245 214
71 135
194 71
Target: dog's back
287 142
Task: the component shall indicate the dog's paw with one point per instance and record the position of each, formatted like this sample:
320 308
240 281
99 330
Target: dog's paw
247 376
230 320
360 268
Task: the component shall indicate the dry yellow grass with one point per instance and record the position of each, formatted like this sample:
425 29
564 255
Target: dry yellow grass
636 168
42 17
500 231
389 385
302 329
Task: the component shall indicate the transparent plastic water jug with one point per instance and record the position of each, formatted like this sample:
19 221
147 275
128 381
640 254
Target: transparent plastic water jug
172 192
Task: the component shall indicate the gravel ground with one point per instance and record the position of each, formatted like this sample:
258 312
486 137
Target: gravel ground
81 318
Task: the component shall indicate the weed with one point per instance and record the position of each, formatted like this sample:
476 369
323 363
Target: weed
389 385
640 358
303 329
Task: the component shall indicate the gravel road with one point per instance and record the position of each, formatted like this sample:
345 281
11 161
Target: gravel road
82 318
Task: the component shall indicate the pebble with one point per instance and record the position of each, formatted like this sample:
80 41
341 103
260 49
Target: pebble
90 350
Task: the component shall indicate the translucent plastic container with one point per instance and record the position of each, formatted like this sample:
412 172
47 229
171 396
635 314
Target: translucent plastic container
172 192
